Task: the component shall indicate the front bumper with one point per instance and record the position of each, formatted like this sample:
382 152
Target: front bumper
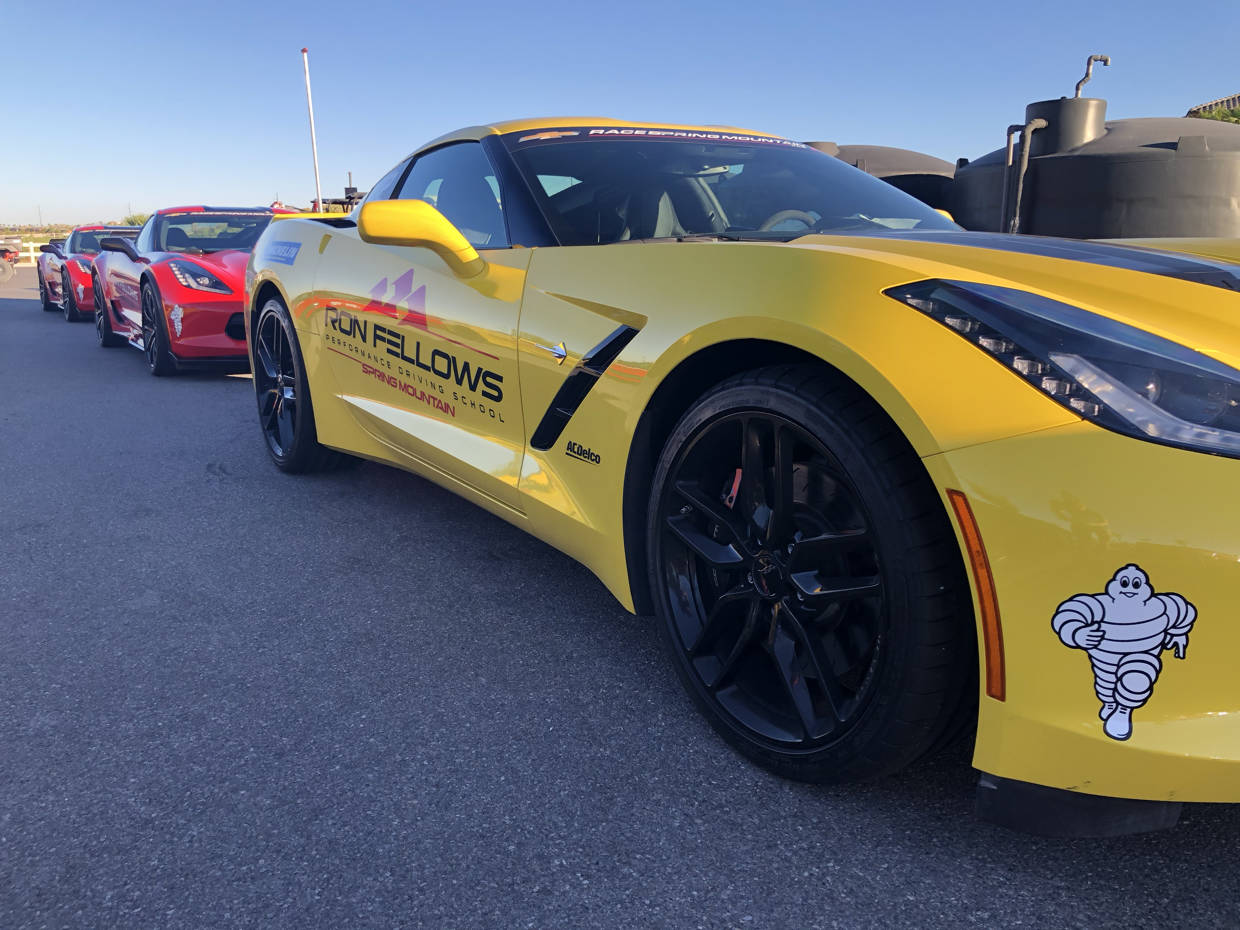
1060 511
83 294
204 329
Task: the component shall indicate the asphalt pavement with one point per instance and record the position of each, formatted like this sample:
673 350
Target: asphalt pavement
234 698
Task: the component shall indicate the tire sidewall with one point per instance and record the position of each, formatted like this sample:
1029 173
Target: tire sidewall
103 326
840 759
46 295
164 363
305 442
67 301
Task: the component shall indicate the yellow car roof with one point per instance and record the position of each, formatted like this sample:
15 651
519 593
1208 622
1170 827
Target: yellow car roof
559 122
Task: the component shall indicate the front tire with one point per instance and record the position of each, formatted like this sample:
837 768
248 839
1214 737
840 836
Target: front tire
68 302
285 412
808 584
155 334
103 325
44 297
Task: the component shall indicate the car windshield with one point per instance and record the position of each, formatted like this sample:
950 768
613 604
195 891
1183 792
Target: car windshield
208 232
600 185
86 241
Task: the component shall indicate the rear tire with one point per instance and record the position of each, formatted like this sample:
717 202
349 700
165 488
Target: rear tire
808 583
155 334
282 391
68 302
103 325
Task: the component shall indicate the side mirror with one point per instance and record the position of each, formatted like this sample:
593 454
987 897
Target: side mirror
417 223
52 249
117 244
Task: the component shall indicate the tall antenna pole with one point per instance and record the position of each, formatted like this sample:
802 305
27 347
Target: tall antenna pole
314 145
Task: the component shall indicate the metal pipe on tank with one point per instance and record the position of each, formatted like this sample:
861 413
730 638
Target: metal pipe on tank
1089 70
1030 128
1007 176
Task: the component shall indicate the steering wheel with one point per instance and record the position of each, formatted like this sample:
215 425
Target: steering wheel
776 218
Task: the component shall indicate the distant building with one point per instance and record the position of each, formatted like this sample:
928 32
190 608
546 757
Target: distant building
1223 103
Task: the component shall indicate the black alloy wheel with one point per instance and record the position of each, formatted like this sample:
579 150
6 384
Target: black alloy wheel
44 296
68 303
275 382
155 334
285 414
103 326
784 559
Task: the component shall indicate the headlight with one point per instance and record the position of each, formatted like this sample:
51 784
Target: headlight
1107 372
83 265
197 277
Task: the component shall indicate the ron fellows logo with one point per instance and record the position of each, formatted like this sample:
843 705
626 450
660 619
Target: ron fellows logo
369 341
415 392
578 451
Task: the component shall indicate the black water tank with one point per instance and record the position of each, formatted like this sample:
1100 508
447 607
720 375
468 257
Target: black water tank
1138 177
1070 122
927 178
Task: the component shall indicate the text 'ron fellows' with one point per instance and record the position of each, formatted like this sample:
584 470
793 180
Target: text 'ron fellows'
437 362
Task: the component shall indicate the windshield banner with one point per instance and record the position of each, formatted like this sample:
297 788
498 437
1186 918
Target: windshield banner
645 132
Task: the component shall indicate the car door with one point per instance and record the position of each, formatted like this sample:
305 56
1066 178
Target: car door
126 276
426 361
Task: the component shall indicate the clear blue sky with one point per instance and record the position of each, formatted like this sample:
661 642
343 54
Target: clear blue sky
123 104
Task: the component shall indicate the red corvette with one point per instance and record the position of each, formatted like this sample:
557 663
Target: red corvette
176 292
65 265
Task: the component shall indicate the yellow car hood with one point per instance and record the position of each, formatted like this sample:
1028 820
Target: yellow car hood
1189 299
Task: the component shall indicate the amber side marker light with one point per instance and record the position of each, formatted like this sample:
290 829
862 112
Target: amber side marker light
988 601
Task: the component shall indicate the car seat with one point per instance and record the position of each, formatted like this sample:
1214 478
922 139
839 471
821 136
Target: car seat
470 205
650 214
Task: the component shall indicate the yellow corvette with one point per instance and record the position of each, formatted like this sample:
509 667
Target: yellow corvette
880 479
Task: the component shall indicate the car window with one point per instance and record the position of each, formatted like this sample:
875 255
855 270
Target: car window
460 183
147 235
209 231
552 184
386 184
594 187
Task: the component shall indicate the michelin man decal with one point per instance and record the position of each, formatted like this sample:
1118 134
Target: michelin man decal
1124 630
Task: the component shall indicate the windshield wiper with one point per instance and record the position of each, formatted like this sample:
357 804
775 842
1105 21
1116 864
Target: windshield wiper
732 236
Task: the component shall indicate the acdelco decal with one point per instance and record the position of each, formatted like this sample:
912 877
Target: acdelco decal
438 362
577 451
